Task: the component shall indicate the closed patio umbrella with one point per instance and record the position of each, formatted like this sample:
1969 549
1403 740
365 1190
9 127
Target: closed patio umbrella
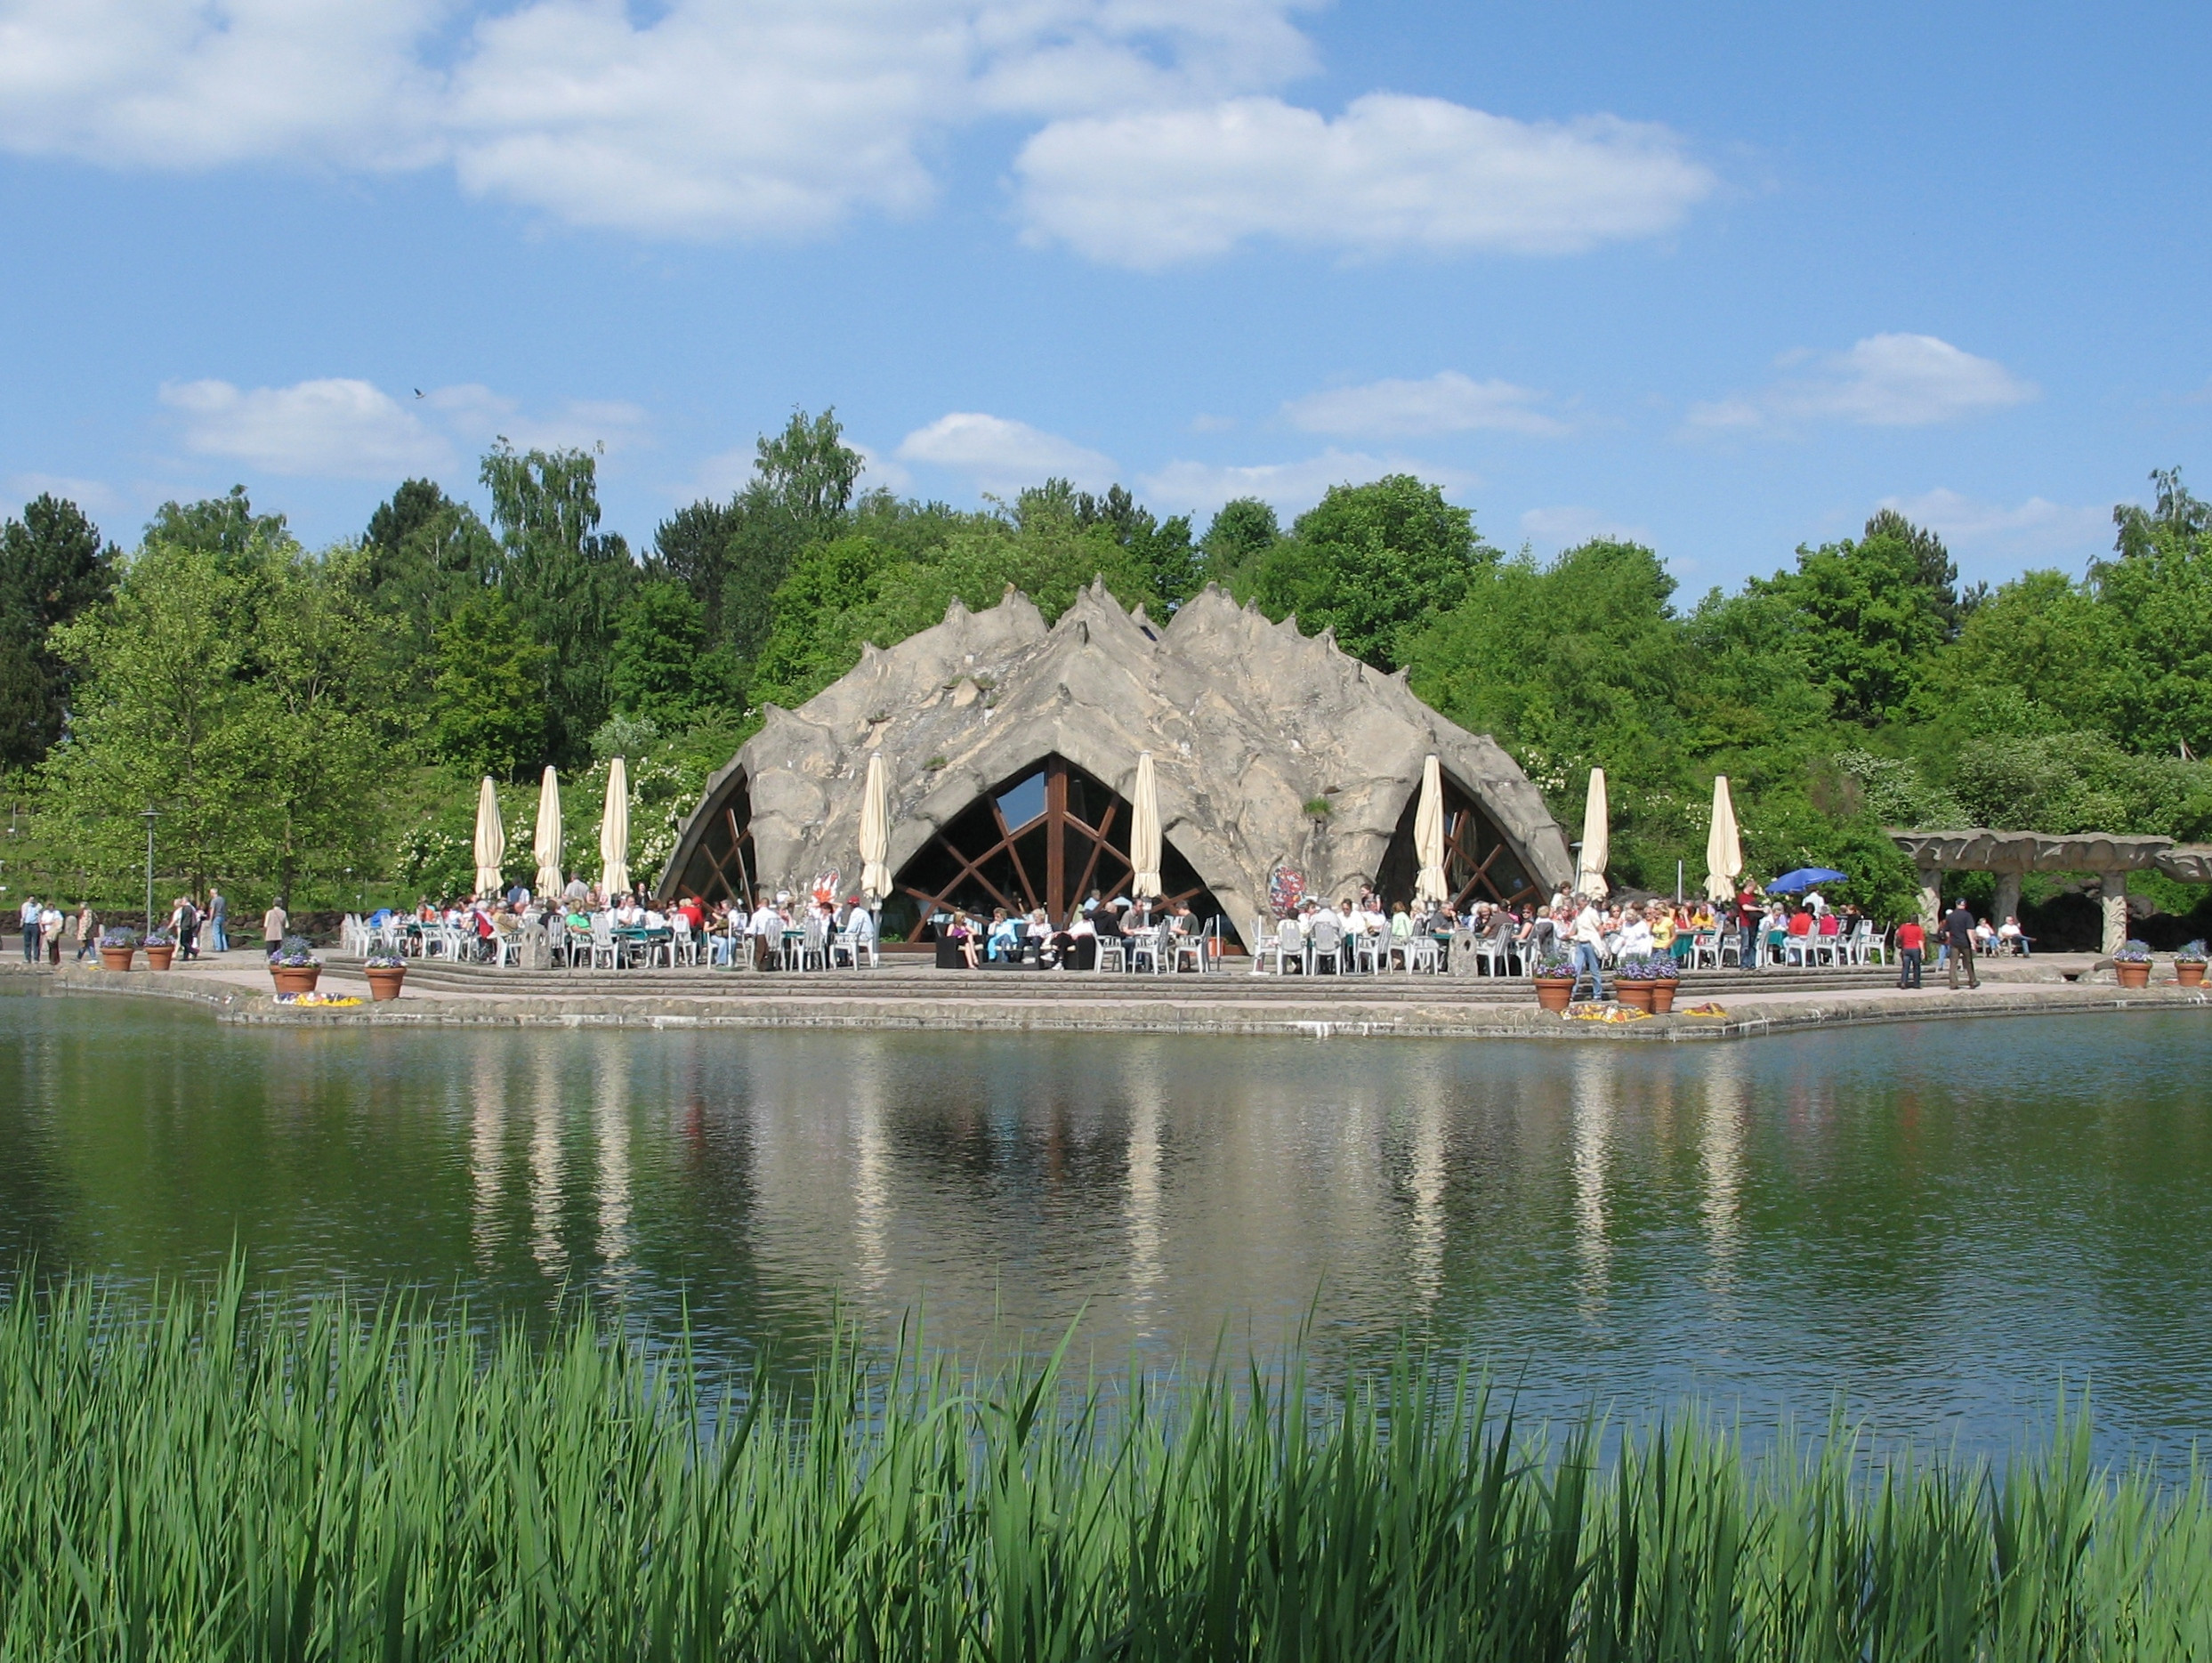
1144 832
1428 835
613 833
1723 846
875 832
491 839
1596 841
546 845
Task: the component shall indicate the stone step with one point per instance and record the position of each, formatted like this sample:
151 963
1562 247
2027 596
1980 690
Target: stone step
892 981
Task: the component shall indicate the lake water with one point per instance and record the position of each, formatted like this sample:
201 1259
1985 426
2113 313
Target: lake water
1937 1221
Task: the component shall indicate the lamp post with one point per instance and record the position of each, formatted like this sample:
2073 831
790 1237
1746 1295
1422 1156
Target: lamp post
150 816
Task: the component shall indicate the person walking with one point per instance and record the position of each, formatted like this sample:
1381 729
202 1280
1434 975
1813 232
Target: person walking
218 921
87 930
1589 936
30 916
1957 933
1912 943
273 924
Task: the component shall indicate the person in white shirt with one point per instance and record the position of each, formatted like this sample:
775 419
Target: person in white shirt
1635 933
30 916
1816 903
1589 937
766 928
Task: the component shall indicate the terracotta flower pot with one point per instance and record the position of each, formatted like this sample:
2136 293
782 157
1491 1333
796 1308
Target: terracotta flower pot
2133 975
2189 974
1636 994
294 979
159 957
1663 995
384 983
116 957
1552 992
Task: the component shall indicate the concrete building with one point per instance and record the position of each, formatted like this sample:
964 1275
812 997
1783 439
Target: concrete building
1013 750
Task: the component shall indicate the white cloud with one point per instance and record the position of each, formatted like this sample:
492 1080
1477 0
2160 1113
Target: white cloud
189 83
476 416
96 497
1445 403
2035 529
1003 456
1149 189
338 427
1882 380
1568 528
693 118
1201 487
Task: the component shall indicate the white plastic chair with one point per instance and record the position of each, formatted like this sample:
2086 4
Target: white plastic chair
1144 950
1265 945
603 944
1192 947
1113 947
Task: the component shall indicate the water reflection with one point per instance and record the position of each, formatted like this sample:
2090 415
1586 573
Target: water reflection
1591 1072
1939 1222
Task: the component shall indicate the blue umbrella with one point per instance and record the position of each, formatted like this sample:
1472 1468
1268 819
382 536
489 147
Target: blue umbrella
1803 878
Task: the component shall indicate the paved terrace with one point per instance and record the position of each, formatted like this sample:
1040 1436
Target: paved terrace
912 996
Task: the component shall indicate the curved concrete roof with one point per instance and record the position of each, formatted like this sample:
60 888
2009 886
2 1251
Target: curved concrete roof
1978 849
1247 720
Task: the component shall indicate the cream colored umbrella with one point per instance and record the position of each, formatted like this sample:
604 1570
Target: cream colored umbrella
1428 837
546 845
1596 841
491 839
876 831
1144 832
1724 846
613 833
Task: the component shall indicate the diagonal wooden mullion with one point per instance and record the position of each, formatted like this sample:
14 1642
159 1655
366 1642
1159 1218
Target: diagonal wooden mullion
1099 845
973 869
1014 855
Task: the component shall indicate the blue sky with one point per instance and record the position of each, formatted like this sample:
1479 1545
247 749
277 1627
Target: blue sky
1723 278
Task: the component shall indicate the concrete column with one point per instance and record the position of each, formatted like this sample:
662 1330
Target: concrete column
2007 899
1931 900
2115 885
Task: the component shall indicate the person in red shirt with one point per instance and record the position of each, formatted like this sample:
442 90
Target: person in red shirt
1751 908
1912 941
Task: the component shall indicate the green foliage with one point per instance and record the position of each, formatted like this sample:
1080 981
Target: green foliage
1242 531
53 566
427 557
1871 614
227 1478
565 580
1371 562
487 713
2158 592
232 687
1174 567
661 667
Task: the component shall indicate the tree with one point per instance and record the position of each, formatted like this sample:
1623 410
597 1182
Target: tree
1242 531
1165 550
158 718
52 566
661 668
1872 621
732 556
488 708
225 527
565 580
1371 561
2158 594
313 759
425 556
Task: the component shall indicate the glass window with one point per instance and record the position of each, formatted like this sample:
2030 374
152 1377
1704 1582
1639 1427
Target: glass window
1022 802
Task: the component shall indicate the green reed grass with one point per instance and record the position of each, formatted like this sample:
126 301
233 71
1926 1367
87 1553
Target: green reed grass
198 1477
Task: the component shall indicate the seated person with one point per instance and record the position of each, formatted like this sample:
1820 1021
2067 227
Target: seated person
961 933
2010 938
1328 935
1291 941
1004 939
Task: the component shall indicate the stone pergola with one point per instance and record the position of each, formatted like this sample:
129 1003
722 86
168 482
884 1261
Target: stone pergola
2012 854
